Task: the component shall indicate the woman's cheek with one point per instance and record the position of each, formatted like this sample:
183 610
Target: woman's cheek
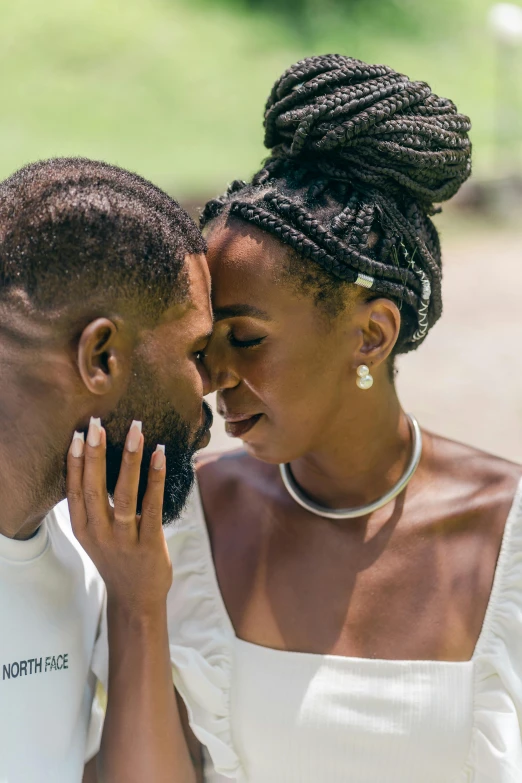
275 379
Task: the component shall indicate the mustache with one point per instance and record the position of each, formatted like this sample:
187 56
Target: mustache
209 416
207 424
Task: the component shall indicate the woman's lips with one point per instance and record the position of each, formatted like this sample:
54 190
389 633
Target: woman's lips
237 426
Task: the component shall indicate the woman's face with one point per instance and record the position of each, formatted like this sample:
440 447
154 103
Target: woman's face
285 369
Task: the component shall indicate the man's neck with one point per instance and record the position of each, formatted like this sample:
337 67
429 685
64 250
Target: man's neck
37 413
22 506
19 526
29 530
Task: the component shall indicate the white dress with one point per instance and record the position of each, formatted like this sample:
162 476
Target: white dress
269 716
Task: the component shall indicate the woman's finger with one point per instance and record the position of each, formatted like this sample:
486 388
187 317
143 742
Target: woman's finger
94 477
74 483
152 510
126 492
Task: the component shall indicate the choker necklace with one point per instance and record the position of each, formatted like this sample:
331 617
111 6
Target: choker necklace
359 511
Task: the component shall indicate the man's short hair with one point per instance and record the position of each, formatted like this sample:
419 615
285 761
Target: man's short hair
73 229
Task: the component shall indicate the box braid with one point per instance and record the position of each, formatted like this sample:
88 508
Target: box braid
359 157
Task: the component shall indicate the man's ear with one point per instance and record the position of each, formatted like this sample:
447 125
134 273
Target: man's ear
103 359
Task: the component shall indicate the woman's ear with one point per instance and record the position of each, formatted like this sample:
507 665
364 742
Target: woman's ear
380 326
102 357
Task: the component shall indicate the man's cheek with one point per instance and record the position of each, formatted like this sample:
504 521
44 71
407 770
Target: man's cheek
189 395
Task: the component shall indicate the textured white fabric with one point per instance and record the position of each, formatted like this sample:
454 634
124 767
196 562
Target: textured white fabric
201 638
267 716
53 648
308 717
210 774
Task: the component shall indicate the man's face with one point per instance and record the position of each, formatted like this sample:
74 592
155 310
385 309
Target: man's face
166 391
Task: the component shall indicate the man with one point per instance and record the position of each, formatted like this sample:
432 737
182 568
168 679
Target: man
104 312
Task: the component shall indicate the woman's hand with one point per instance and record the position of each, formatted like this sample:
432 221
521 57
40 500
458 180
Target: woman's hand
142 736
129 550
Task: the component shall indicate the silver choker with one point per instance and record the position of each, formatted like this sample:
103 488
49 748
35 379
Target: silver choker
359 511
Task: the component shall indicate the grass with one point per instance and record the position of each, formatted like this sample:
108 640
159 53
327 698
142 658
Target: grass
175 88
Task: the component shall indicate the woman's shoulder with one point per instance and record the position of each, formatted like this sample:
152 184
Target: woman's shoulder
462 488
471 485
236 461
469 470
234 483
229 473
462 474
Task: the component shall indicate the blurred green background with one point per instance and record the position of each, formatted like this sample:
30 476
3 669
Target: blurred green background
175 89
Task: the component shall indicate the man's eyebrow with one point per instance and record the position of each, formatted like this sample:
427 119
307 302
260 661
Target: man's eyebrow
238 310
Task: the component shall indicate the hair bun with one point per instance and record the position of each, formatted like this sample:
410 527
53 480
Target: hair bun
370 125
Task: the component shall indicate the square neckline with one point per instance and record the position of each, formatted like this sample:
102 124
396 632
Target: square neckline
504 552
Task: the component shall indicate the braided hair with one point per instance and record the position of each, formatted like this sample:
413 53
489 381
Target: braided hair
360 156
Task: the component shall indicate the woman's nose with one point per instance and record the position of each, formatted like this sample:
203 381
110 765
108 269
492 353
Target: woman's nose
219 370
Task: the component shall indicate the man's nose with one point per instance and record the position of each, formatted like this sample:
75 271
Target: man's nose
206 378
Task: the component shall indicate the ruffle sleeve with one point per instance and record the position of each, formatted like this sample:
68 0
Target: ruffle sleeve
201 638
496 750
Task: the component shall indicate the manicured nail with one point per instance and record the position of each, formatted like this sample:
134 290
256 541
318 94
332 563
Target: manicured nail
158 458
94 433
134 436
78 444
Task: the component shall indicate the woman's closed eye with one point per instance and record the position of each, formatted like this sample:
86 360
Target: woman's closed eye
236 343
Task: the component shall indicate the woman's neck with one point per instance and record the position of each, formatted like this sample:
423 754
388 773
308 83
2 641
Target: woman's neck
361 456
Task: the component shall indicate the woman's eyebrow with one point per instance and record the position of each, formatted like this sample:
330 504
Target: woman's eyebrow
237 310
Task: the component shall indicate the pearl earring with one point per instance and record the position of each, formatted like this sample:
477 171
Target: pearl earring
364 379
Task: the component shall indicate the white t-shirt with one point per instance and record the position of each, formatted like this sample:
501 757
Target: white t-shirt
53 649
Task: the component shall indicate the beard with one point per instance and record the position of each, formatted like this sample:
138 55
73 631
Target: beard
161 425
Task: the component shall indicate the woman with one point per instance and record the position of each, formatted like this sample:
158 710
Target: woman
347 600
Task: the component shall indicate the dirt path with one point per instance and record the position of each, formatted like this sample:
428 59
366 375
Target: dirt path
466 380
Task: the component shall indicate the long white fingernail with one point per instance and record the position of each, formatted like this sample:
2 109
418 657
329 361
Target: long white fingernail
94 433
158 458
134 436
78 444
